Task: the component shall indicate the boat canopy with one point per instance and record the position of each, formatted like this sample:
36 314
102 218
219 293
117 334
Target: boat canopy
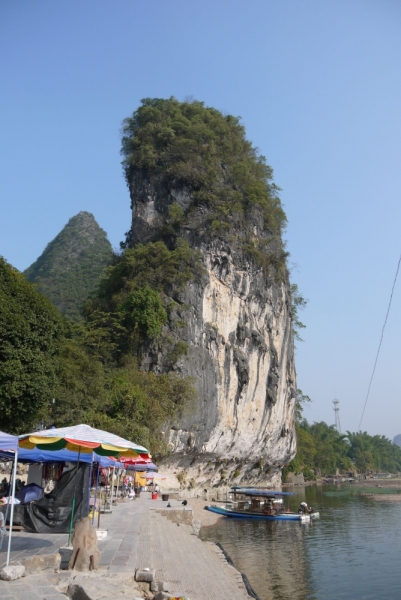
260 493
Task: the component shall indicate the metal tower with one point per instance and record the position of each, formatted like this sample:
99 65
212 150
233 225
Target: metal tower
337 415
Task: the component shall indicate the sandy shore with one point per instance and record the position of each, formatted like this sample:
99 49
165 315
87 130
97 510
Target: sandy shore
205 517
394 482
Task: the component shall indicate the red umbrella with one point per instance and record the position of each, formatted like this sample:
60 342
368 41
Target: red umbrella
142 459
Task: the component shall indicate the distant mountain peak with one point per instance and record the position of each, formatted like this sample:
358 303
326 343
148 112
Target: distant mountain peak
71 265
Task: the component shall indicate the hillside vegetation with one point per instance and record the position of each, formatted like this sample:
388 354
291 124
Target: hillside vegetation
69 269
321 449
31 337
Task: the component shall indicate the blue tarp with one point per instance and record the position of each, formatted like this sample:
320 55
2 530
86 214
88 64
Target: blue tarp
146 467
37 456
8 443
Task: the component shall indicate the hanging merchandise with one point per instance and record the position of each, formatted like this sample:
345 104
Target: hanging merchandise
51 473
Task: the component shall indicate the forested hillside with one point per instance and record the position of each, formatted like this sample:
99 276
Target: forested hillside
54 371
31 337
71 265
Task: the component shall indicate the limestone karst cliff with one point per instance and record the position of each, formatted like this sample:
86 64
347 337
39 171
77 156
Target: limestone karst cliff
234 316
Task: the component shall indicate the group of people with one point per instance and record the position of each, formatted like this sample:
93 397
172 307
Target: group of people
129 487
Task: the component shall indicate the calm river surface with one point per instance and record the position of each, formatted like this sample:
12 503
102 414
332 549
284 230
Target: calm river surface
352 552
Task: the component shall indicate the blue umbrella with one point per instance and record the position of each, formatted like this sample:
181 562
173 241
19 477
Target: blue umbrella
29 492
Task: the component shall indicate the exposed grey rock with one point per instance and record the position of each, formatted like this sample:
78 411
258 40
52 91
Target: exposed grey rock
239 334
78 592
12 572
85 555
41 562
94 586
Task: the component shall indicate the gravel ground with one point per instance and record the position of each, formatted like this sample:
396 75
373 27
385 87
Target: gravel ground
205 517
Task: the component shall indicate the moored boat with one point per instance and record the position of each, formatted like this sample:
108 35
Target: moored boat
266 505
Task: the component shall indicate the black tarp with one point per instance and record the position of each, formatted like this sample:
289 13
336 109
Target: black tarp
52 513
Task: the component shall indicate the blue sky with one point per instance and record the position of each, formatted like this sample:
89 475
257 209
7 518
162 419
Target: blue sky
318 86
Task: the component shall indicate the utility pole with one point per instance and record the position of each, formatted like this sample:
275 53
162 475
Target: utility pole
337 415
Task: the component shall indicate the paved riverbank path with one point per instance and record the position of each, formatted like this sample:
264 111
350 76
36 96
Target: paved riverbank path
138 536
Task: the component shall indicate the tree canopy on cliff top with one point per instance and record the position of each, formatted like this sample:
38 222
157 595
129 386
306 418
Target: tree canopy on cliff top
194 145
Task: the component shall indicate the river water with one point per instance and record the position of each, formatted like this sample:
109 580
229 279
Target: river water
352 552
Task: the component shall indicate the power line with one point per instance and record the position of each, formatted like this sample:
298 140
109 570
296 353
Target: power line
381 339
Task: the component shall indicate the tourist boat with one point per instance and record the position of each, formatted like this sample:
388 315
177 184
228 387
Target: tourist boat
267 505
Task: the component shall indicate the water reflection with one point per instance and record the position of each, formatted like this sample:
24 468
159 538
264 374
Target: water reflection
351 552
270 553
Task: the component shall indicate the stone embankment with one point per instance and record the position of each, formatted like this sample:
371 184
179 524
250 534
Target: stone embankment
150 551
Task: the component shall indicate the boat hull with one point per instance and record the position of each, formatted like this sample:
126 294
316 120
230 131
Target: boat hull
259 516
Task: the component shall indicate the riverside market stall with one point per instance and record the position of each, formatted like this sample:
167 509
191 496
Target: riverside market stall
33 516
84 440
9 443
140 466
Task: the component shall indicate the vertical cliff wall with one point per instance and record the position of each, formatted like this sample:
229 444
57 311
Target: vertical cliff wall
235 323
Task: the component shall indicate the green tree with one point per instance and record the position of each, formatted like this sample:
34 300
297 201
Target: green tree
298 303
373 453
144 312
31 331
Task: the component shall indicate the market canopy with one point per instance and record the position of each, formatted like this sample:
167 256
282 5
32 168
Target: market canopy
46 456
82 439
140 467
8 443
142 460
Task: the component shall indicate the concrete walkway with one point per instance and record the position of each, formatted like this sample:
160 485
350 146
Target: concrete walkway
138 535
193 568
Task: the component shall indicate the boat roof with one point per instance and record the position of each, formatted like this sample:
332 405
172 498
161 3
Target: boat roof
260 493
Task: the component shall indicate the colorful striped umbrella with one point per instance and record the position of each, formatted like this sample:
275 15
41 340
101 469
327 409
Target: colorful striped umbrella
142 459
82 438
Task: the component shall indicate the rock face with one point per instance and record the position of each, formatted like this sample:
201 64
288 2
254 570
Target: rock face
237 325
85 555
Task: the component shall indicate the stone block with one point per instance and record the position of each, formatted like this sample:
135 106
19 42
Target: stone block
12 572
65 554
160 586
41 562
147 575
